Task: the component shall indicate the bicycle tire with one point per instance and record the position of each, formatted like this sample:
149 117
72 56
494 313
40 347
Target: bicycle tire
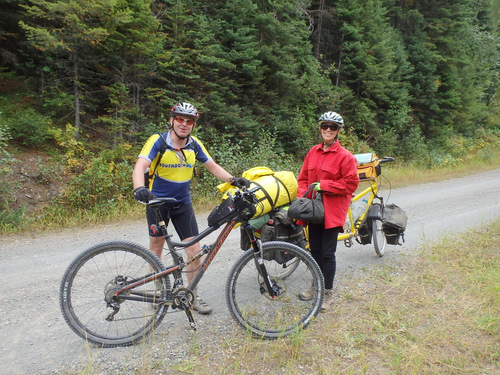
93 274
378 236
270 318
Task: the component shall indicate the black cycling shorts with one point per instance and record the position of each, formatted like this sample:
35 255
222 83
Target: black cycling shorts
182 218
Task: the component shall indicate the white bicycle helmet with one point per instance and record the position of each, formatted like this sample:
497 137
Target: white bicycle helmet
184 109
331 117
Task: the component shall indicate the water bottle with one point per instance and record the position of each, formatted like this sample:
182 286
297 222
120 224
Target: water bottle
347 224
358 208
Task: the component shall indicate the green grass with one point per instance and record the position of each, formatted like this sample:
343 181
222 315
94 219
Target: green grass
406 175
437 313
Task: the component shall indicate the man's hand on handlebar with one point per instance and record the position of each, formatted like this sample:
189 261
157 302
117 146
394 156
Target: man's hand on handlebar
239 182
142 194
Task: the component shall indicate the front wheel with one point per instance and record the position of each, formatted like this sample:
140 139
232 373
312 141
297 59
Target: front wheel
91 301
378 236
252 306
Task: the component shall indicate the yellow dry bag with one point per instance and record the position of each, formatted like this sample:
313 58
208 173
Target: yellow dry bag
276 188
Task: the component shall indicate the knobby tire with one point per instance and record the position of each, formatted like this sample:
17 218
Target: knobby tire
93 274
255 310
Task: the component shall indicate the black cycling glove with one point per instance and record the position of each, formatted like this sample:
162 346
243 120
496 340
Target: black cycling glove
239 182
142 194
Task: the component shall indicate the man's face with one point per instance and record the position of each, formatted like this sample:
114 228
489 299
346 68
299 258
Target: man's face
182 125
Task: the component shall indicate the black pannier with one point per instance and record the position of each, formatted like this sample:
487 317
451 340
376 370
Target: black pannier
364 232
394 224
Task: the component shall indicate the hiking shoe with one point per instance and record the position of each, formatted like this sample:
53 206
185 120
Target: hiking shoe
308 294
328 301
201 306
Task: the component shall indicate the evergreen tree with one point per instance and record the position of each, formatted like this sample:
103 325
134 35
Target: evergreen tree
13 51
134 58
453 63
370 65
66 32
246 64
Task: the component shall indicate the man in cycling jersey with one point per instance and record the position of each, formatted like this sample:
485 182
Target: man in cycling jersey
172 174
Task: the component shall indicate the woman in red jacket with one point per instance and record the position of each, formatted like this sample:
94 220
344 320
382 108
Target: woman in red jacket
332 170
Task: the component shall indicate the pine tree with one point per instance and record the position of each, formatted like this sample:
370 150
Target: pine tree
369 65
444 43
134 58
66 32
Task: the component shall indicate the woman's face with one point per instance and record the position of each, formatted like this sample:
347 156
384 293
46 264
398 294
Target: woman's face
329 131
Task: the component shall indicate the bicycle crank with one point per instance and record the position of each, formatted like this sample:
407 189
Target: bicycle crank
183 298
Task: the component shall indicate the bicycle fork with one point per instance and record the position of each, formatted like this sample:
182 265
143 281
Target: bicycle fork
261 267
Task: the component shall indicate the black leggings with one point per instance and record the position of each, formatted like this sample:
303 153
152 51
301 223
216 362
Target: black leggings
323 245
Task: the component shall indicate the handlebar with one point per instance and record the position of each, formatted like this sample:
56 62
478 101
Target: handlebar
386 159
158 201
244 191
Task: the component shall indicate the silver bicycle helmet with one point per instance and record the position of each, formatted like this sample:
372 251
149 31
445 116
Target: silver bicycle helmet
184 109
331 117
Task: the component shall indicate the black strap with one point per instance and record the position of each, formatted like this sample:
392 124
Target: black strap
307 192
162 151
287 192
268 197
167 146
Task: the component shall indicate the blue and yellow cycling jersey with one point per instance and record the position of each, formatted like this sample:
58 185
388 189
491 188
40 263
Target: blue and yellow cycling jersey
174 172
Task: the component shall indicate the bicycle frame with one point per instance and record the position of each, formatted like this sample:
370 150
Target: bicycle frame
371 191
179 264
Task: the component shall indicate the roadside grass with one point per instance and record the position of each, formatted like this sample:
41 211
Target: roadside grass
55 217
434 313
413 173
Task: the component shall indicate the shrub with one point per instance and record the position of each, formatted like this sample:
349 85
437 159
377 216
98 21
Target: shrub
102 183
28 127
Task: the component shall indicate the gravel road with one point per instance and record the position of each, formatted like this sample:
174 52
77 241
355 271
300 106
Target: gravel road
34 338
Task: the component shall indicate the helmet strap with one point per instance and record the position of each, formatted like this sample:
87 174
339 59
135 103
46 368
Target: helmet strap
178 136
331 143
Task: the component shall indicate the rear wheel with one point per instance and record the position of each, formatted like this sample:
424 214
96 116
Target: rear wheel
271 317
91 304
378 237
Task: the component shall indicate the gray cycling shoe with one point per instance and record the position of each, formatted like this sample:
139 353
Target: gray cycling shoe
201 306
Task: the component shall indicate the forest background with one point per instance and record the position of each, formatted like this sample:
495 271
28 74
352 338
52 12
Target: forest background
84 83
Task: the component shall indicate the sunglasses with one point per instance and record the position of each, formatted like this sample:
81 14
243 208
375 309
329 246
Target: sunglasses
333 127
186 120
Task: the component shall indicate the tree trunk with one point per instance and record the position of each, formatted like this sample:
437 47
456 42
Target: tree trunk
319 28
337 81
76 92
